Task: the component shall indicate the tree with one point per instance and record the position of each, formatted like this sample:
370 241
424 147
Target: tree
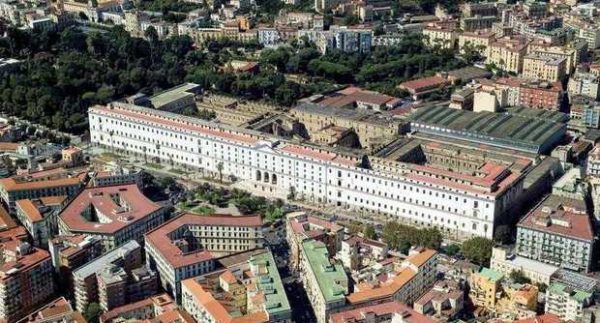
369 232
478 250
503 234
518 277
92 312
452 249
292 194
220 169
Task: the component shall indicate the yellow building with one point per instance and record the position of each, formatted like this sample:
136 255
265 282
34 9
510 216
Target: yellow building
572 53
479 40
508 53
486 288
72 155
536 67
443 35
518 301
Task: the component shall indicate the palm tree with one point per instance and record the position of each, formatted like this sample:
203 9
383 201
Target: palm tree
220 169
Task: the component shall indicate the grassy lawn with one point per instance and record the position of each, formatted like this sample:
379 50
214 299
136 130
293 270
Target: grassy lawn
154 165
177 171
203 209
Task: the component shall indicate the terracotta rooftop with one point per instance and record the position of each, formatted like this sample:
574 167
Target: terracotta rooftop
560 216
424 83
11 184
161 305
34 209
383 309
58 310
388 289
16 262
545 318
351 95
116 207
6 222
9 146
149 116
160 237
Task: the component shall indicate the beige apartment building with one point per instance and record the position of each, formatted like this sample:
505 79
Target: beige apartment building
479 40
13 189
572 53
444 35
508 53
537 67
187 245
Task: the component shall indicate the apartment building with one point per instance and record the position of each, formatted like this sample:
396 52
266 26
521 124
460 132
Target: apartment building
471 9
38 216
572 53
25 277
70 252
584 84
542 68
159 307
445 301
505 262
559 232
58 310
507 53
324 279
478 40
359 252
566 302
300 227
443 35
85 278
117 175
485 287
415 277
541 95
72 156
114 214
187 245
19 188
477 22
421 196
117 286
249 291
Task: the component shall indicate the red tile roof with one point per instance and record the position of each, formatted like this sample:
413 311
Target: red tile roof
160 237
135 207
546 318
424 83
356 314
556 215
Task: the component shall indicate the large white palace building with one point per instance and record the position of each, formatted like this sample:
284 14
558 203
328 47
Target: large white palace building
465 204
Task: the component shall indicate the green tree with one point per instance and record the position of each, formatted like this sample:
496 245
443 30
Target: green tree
220 169
478 250
369 232
518 277
92 312
452 249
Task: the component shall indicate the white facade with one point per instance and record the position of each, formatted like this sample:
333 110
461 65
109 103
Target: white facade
584 84
268 37
537 272
275 167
